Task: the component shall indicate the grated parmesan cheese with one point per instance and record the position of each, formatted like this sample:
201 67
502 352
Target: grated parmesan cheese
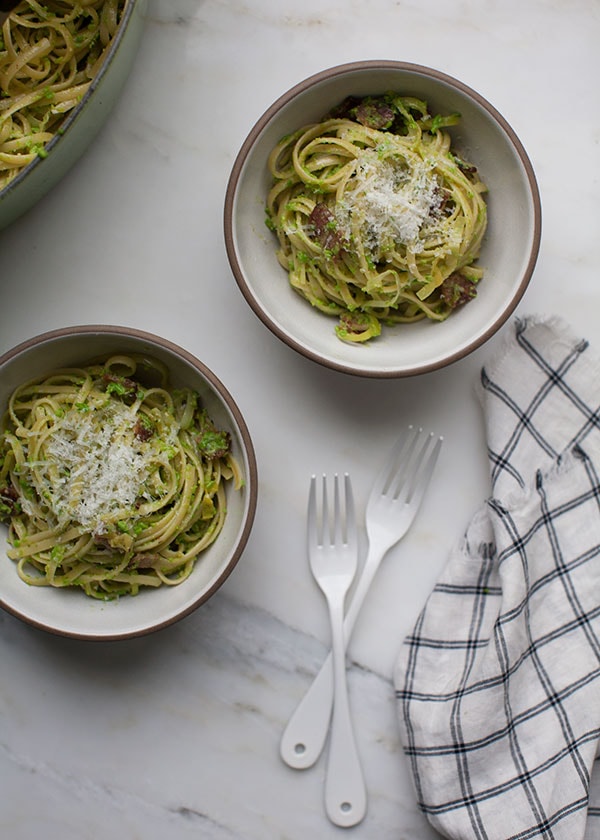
96 465
389 201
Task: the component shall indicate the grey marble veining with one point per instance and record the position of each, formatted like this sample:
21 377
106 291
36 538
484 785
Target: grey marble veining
177 731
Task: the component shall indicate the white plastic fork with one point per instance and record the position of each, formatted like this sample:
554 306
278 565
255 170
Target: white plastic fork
393 504
333 557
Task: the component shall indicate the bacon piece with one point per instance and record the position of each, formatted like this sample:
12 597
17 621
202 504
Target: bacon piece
9 502
9 493
323 223
441 204
214 444
142 430
467 168
375 114
121 386
145 561
456 290
372 112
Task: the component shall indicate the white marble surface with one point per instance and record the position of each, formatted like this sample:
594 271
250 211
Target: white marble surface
176 735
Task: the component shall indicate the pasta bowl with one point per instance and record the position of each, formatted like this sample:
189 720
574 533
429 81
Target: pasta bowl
54 119
126 460
340 218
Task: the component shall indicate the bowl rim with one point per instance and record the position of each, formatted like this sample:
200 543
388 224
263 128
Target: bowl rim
72 116
250 482
238 168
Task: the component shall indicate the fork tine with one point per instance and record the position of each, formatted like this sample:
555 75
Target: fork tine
344 520
411 485
425 472
351 535
320 531
322 527
337 526
311 518
404 480
396 460
404 469
325 521
407 471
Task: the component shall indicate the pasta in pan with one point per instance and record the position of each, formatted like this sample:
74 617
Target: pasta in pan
50 52
378 219
110 480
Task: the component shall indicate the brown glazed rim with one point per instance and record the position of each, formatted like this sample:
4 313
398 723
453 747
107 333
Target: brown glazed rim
264 120
251 483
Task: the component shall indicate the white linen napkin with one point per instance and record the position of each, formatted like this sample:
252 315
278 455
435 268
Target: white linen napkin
498 684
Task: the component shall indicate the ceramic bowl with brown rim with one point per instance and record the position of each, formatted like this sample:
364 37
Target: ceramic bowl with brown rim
82 122
508 251
70 611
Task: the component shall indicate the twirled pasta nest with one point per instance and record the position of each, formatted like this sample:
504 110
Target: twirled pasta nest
378 219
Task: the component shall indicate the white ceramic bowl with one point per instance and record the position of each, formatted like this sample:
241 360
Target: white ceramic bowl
70 612
81 124
508 254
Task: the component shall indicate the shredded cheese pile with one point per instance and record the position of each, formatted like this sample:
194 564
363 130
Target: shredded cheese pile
391 203
96 465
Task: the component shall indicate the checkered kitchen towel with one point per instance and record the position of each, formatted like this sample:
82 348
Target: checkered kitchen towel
498 685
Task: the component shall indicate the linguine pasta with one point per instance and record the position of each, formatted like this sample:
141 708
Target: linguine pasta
110 480
50 52
378 219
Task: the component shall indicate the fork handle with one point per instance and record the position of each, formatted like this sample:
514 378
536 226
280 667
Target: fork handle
305 734
345 793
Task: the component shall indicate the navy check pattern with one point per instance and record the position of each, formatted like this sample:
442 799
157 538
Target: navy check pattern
498 684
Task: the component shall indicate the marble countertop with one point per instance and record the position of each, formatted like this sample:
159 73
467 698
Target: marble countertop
177 734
